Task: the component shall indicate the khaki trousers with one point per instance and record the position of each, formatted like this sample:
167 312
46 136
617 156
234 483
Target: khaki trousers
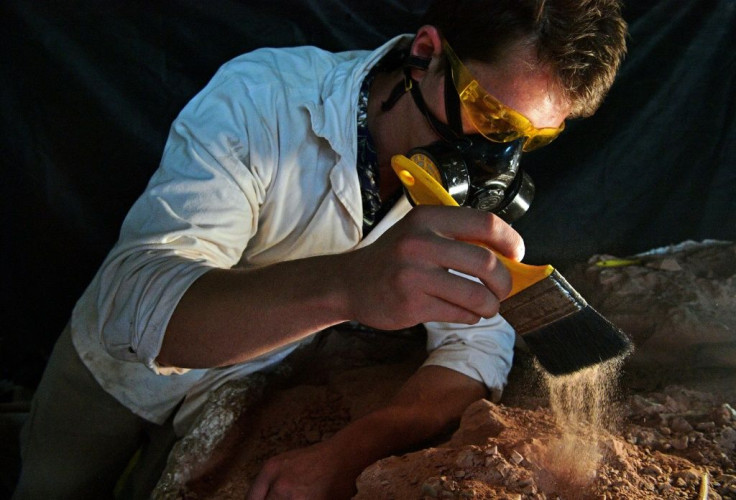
78 440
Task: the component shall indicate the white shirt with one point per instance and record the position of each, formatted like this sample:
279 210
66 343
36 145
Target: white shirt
259 167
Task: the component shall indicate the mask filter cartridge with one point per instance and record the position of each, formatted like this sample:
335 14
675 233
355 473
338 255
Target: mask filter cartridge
479 173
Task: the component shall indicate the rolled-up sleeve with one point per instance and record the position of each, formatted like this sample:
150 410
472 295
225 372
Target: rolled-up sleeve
483 351
197 213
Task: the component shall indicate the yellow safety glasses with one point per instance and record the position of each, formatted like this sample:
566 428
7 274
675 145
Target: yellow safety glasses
494 120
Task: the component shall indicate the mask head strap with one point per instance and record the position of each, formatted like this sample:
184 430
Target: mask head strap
442 129
450 132
452 103
401 88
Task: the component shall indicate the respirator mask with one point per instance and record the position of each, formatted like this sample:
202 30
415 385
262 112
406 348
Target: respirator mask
478 173
482 170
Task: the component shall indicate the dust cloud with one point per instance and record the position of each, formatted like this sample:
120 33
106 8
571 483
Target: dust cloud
583 407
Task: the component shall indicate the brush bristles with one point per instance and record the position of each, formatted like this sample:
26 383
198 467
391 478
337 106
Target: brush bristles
582 339
561 329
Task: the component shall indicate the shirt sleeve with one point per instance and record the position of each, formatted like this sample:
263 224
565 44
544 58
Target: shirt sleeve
483 352
197 213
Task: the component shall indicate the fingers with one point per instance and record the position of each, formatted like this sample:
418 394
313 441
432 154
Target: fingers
270 484
467 224
419 287
447 242
402 278
299 473
475 261
259 489
458 299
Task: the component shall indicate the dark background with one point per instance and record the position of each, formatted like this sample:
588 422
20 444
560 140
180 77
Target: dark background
88 90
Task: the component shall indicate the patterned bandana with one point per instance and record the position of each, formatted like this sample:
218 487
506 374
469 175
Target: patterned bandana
367 163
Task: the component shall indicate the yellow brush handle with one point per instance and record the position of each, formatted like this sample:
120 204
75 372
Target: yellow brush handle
425 190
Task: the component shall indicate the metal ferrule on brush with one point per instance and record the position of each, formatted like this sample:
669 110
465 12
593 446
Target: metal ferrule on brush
541 304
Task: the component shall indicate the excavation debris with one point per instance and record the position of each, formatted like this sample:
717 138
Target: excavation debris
671 432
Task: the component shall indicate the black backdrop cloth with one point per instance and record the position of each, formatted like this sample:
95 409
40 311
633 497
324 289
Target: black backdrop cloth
89 89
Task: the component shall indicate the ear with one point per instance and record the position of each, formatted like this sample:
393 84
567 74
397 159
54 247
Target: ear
427 44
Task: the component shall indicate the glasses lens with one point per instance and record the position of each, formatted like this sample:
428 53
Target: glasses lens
498 123
489 116
539 140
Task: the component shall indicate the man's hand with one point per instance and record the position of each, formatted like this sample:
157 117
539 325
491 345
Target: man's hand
402 279
431 399
316 472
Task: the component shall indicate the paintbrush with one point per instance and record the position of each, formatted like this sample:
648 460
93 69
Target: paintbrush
558 326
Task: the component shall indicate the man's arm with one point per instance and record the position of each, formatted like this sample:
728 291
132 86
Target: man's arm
432 399
231 316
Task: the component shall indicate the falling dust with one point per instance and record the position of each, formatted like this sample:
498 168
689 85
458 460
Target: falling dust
674 428
583 408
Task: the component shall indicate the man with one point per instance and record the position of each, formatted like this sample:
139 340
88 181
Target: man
258 231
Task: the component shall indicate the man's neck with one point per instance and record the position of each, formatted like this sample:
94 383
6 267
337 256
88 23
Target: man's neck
391 130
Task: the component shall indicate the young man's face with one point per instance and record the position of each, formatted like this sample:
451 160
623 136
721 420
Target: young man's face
518 83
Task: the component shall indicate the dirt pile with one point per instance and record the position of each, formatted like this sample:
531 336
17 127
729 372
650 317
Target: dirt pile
508 453
661 427
678 303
